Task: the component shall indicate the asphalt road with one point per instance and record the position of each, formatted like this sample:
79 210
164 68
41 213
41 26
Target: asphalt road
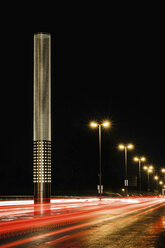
84 222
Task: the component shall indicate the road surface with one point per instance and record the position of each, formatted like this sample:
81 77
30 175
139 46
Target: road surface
131 222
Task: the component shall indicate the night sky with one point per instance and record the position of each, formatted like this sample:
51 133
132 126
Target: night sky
107 63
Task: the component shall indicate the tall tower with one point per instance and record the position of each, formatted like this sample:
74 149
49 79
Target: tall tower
42 118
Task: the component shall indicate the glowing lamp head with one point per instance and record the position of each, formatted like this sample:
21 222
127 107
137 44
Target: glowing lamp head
150 170
145 168
163 170
121 147
143 159
136 159
94 124
130 146
106 124
156 178
160 182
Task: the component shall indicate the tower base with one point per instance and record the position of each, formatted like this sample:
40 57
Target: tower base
42 192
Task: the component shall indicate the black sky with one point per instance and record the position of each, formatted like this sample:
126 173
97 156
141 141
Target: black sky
107 62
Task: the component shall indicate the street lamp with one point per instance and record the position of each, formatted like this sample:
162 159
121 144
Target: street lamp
105 124
161 184
126 148
163 171
156 178
149 169
123 190
139 160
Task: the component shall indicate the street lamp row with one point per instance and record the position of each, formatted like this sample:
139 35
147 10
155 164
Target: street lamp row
125 148
156 178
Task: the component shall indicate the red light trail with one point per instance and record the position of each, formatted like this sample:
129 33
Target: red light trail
65 216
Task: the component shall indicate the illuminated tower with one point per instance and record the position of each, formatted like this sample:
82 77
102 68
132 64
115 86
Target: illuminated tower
42 118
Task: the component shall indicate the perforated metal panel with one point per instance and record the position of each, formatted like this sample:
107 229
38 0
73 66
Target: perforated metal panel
42 162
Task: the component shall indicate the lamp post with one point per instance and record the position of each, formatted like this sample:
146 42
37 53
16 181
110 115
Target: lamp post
163 171
156 178
105 124
126 148
149 169
139 160
161 186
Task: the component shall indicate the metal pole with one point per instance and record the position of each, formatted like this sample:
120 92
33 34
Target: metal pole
100 173
139 176
126 186
157 188
148 180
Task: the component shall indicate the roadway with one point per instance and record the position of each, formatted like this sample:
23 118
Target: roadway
84 222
